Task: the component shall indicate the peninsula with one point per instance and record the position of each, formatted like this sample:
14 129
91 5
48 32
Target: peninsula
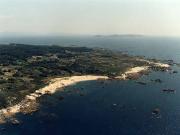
28 72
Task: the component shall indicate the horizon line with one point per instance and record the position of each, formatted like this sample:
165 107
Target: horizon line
33 34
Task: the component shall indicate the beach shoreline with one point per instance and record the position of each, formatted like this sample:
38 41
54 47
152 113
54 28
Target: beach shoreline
29 104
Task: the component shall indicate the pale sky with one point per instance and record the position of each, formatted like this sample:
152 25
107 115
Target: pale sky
149 17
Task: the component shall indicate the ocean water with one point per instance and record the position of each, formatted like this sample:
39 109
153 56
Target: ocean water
115 107
152 47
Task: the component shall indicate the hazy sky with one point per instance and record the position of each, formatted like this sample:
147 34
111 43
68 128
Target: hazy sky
151 17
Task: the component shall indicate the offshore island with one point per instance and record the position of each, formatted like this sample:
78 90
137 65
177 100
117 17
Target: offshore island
28 72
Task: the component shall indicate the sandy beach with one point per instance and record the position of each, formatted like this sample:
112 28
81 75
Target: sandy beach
54 86
58 84
158 64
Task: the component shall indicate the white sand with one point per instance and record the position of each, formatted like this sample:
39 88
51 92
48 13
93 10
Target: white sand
54 86
132 71
161 65
137 70
158 64
58 83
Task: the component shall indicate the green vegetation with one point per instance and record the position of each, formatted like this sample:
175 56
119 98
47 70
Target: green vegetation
25 68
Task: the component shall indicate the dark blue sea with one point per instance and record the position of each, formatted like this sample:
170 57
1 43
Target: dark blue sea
114 107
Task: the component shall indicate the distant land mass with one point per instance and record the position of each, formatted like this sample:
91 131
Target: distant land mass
121 35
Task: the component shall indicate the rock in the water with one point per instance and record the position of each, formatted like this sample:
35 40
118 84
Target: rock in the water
158 81
175 72
61 98
156 111
169 90
15 121
114 104
142 83
81 94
